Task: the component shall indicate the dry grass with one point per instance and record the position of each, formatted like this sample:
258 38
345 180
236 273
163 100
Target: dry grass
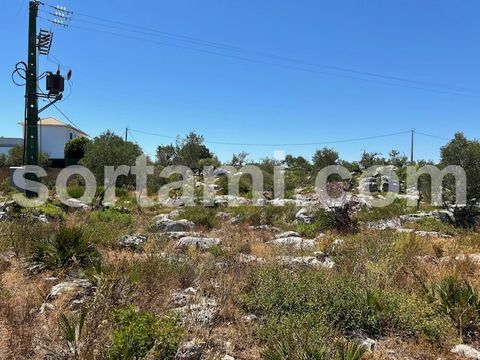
147 279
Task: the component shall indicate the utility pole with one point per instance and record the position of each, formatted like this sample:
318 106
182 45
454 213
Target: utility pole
38 45
31 112
411 145
126 134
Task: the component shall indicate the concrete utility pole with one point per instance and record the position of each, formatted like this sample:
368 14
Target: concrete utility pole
31 103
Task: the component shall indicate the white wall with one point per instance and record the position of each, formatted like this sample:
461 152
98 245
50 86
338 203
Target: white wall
53 140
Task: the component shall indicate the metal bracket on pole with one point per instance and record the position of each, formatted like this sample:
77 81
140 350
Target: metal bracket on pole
58 98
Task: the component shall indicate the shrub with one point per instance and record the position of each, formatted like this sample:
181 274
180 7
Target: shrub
461 302
71 329
200 215
49 210
75 148
22 232
65 248
296 337
466 216
75 191
112 216
321 221
396 208
342 219
137 334
342 302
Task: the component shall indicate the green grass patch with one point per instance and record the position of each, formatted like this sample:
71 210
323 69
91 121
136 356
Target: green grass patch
137 334
343 302
200 215
280 216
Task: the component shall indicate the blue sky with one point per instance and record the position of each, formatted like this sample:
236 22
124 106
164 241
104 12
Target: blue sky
242 97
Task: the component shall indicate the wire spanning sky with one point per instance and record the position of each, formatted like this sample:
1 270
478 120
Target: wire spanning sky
284 72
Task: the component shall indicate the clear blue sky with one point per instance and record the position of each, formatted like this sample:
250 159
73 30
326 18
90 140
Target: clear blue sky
120 81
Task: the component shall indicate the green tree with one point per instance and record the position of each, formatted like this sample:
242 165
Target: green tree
188 152
109 149
370 159
3 160
465 153
166 155
297 163
15 157
75 148
398 159
239 159
325 157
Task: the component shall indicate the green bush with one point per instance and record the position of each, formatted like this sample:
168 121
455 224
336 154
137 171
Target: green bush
137 334
341 301
66 247
75 148
321 221
49 210
395 209
296 337
200 215
461 302
75 191
112 216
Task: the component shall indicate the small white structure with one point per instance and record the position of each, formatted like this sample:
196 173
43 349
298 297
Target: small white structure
7 143
53 134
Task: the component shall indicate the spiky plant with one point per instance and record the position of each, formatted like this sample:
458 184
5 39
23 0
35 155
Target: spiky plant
65 248
71 329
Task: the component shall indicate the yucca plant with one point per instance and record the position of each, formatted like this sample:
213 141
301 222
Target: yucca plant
65 248
71 329
461 302
295 347
350 350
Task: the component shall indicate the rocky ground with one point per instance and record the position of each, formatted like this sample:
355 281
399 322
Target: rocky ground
244 282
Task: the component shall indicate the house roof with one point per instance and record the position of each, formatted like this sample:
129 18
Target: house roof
51 121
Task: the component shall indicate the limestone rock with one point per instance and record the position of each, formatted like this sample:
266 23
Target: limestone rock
191 350
168 225
294 241
466 352
78 285
201 243
287 234
248 259
201 313
133 241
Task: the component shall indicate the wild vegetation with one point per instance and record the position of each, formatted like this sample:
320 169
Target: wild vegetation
298 281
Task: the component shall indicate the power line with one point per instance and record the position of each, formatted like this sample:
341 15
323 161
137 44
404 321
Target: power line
279 144
201 42
450 90
291 67
60 110
432 136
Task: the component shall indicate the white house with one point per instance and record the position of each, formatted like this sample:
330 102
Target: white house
53 134
7 143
